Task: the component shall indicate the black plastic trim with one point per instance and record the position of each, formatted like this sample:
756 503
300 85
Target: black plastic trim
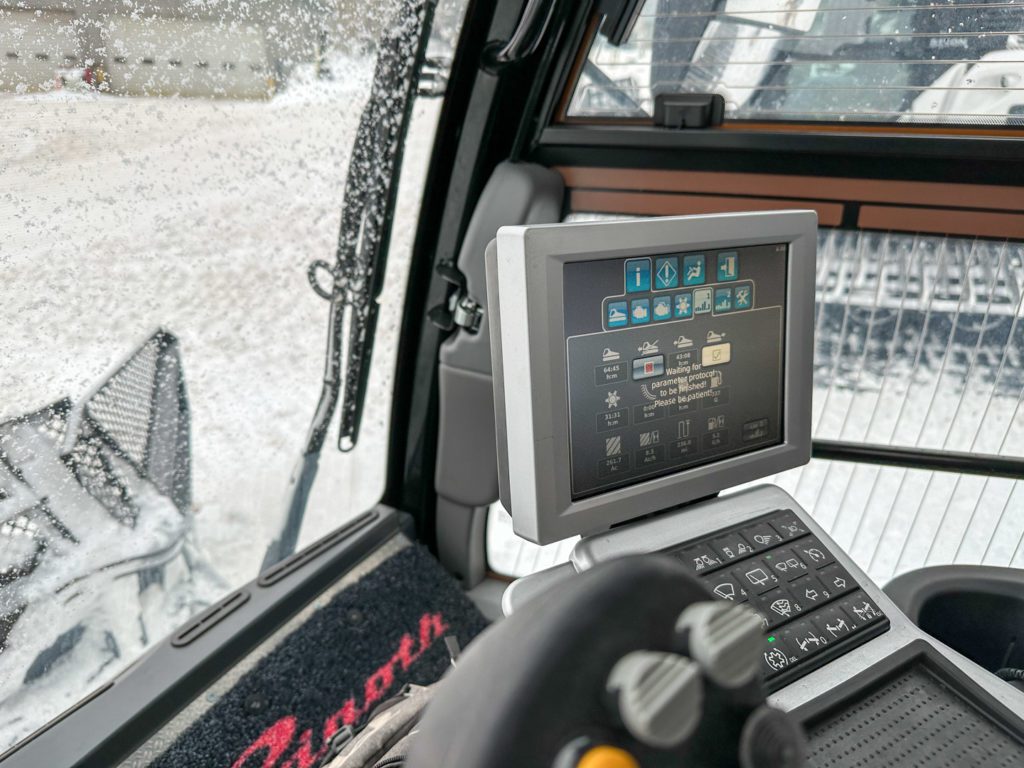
209 618
950 160
917 652
987 465
294 562
803 142
107 726
485 119
441 222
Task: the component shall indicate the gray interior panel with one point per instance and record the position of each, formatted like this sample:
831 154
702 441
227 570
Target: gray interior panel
467 466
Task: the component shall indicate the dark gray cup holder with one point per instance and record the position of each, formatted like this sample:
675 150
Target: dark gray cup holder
976 610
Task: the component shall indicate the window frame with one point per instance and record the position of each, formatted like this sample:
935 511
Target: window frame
559 116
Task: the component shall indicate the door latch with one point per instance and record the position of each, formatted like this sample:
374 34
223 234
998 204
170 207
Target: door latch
459 310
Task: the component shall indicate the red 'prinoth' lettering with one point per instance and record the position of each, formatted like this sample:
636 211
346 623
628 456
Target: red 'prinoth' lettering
280 739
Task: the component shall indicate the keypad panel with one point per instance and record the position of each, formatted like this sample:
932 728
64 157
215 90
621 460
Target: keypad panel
813 608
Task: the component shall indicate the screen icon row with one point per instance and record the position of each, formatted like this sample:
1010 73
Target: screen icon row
669 273
734 298
679 306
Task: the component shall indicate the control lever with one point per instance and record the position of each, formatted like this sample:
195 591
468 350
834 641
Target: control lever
658 696
611 668
725 639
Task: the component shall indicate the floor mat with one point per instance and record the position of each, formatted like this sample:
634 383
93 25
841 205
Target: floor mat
371 638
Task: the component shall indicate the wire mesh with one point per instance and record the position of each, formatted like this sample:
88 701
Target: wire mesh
140 417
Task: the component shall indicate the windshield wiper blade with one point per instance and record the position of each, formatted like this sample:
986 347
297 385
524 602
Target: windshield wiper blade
355 278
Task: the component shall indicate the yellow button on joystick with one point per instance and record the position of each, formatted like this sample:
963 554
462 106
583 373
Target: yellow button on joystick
607 757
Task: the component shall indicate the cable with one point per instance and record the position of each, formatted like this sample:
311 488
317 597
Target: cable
1010 674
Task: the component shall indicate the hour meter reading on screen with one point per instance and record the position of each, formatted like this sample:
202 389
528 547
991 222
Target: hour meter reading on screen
639 365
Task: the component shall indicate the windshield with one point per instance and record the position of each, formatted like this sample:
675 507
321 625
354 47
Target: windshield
169 175
818 60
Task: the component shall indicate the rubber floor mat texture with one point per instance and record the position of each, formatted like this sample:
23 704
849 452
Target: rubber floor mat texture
385 630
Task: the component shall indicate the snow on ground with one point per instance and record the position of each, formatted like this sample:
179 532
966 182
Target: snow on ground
119 215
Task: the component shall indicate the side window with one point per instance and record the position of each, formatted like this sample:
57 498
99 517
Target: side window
169 174
956 63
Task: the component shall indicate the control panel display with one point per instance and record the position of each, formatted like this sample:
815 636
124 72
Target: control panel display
673 361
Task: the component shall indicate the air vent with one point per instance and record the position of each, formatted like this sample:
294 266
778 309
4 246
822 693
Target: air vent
210 618
291 564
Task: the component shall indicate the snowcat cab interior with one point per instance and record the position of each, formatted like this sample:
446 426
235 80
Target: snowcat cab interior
668 411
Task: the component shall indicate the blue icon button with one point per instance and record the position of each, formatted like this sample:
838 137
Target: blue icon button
702 299
723 300
666 273
638 275
693 269
684 305
640 312
743 296
728 266
617 314
662 308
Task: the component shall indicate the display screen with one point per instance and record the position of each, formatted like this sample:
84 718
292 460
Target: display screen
673 361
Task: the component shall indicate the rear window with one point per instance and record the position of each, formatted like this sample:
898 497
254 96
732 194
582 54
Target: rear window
817 60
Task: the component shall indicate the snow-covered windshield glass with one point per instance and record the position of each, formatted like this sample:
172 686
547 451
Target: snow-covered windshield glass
884 61
169 173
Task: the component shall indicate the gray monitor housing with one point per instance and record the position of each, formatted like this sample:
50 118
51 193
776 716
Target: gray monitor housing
530 359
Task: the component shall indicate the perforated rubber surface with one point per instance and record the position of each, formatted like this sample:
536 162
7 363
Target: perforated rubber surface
912 721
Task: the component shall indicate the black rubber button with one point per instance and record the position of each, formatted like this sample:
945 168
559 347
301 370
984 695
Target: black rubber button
814 553
726 586
788 526
861 609
756 576
777 606
833 623
837 580
700 559
786 564
732 547
804 639
762 536
775 657
809 591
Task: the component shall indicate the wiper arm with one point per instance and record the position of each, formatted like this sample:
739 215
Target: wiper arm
355 278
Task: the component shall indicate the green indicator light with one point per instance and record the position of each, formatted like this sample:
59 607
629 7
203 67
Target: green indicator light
771 638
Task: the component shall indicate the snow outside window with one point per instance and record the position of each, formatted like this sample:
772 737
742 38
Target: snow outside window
168 174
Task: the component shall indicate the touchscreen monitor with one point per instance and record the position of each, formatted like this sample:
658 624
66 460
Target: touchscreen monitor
639 365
